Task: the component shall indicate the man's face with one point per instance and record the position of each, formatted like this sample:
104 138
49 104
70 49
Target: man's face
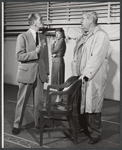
38 22
85 22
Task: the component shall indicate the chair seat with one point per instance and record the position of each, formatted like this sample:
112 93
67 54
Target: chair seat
55 109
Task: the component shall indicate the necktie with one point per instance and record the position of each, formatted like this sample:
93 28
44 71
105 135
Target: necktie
37 40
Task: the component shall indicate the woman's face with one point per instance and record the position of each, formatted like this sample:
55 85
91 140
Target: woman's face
59 35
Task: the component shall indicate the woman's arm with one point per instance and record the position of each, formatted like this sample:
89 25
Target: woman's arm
57 47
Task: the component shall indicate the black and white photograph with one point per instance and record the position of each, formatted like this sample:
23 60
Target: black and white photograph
61 74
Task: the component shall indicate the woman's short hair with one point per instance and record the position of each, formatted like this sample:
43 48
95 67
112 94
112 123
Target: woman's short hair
91 14
61 31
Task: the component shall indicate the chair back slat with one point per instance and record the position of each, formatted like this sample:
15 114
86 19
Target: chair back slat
73 92
69 81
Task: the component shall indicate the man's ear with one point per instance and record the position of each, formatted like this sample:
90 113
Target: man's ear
91 20
34 23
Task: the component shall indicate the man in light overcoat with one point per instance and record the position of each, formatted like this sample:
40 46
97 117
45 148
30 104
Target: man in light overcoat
90 64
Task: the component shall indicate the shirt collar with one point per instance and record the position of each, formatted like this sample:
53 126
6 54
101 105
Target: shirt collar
32 31
93 30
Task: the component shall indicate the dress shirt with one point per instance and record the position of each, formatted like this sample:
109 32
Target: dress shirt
33 33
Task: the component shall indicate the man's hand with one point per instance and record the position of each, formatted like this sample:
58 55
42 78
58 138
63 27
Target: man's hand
38 49
82 78
47 80
44 45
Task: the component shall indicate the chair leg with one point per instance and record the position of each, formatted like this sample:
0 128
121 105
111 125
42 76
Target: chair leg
53 123
71 123
41 129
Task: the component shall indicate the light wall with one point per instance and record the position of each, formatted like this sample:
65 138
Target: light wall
113 82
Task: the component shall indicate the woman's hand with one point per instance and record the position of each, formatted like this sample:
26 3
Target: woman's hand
54 55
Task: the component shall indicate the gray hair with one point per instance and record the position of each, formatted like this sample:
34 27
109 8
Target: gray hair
32 17
91 14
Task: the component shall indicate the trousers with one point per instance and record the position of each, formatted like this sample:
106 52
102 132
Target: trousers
22 98
91 123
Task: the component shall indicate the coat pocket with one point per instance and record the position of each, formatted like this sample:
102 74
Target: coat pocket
23 67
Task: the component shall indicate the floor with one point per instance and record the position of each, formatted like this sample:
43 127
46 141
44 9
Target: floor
29 136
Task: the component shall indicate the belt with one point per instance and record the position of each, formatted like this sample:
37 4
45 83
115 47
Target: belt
59 56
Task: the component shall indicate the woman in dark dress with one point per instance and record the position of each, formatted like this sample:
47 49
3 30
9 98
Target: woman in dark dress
58 49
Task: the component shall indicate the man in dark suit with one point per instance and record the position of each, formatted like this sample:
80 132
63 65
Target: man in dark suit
33 69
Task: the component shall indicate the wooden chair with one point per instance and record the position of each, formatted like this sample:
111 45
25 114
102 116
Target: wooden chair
54 112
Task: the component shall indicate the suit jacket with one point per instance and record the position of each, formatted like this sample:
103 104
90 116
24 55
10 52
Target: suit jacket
29 61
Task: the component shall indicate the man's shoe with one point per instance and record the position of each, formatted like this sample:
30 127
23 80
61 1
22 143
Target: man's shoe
93 141
37 127
85 130
15 131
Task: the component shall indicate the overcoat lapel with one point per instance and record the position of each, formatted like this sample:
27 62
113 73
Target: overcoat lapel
91 33
78 44
87 37
83 39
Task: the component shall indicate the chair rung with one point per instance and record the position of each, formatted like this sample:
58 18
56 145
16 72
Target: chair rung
58 128
56 119
79 130
59 119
